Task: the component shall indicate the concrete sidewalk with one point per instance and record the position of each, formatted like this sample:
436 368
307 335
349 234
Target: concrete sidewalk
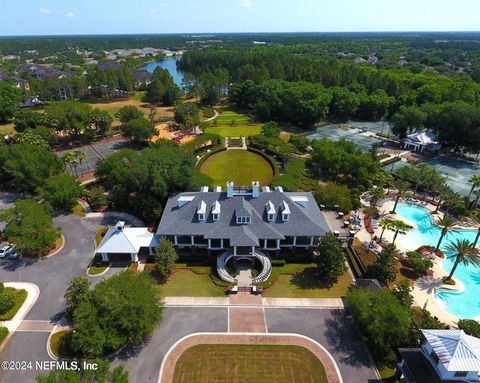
320 303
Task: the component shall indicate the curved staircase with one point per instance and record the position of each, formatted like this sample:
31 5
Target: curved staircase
225 275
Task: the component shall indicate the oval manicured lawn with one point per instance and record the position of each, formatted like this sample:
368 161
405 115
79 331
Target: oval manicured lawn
240 166
248 363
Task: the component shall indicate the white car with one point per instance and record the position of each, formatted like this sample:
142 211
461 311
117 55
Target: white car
13 254
5 250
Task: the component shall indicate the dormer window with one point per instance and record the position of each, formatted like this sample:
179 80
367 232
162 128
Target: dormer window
243 220
270 207
285 211
201 211
216 211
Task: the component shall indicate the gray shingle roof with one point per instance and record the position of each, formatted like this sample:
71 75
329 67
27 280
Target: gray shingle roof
305 220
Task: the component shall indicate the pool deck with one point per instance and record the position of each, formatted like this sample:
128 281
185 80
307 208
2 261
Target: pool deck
424 289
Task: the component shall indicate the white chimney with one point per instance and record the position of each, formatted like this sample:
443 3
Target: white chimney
230 185
120 225
255 189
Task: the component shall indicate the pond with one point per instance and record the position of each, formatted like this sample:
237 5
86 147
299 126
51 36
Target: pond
169 64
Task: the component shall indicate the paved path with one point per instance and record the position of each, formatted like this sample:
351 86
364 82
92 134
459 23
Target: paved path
216 114
36 326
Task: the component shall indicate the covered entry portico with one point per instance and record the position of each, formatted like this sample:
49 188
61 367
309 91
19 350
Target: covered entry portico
122 242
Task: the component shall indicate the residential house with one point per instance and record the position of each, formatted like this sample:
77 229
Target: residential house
446 356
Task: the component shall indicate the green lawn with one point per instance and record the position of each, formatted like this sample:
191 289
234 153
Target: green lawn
20 296
60 344
3 333
292 282
7 129
228 117
186 283
249 363
240 130
98 266
240 166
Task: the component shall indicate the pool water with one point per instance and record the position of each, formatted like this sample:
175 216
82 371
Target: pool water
467 303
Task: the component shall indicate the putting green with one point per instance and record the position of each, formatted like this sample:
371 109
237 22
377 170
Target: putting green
240 166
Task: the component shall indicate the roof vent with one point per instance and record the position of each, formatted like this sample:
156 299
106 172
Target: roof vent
120 225
218 189
279 188
204 189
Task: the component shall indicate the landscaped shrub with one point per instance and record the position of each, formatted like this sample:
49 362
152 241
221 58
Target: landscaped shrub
7 300
3 333
278 262
470 326
418 264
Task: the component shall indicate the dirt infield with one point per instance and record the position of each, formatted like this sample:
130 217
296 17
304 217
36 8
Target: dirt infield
165 132
167 369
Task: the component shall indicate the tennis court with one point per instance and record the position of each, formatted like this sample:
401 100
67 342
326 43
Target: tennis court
382 128
456 172
363 139
93 153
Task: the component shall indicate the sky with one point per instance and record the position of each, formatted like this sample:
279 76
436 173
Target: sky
50 17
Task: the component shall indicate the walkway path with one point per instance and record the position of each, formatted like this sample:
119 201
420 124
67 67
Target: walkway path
244 274
213 117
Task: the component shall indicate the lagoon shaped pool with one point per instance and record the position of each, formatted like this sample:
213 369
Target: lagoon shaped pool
464 304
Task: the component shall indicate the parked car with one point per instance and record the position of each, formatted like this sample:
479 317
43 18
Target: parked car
5 250
13 254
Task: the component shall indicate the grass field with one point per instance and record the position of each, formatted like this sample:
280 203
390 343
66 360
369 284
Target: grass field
7 129
20 296
241 130
306 284
228 117
240 166
186 283
248 363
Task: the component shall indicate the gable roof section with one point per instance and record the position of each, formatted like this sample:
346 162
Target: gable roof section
306 220
126 241
456 350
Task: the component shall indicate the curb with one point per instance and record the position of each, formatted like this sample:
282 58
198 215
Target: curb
27 310
64 241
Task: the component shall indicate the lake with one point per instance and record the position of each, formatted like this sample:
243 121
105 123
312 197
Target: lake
169 64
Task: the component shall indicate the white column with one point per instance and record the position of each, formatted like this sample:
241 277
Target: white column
253 250
209 243
104 257
265 243
175 240
278 244
193 239
295 240
150 250
311 241
234 250
221 243
134 257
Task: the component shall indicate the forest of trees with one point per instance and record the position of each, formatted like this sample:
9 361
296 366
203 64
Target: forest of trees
302 89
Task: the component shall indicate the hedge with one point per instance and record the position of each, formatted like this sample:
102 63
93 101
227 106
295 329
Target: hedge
270 160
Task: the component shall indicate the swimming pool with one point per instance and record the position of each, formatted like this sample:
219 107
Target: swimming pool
464 304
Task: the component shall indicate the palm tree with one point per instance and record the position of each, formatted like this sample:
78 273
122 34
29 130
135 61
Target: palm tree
80 156
477 237
475 180
464 252
399 227
377 194
443 191
384 223
402 187
371 211
475 203
446 223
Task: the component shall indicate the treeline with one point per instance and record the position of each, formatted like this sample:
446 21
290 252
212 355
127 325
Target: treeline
302 89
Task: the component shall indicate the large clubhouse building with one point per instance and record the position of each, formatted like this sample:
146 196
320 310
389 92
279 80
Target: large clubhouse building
239 223
242 220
